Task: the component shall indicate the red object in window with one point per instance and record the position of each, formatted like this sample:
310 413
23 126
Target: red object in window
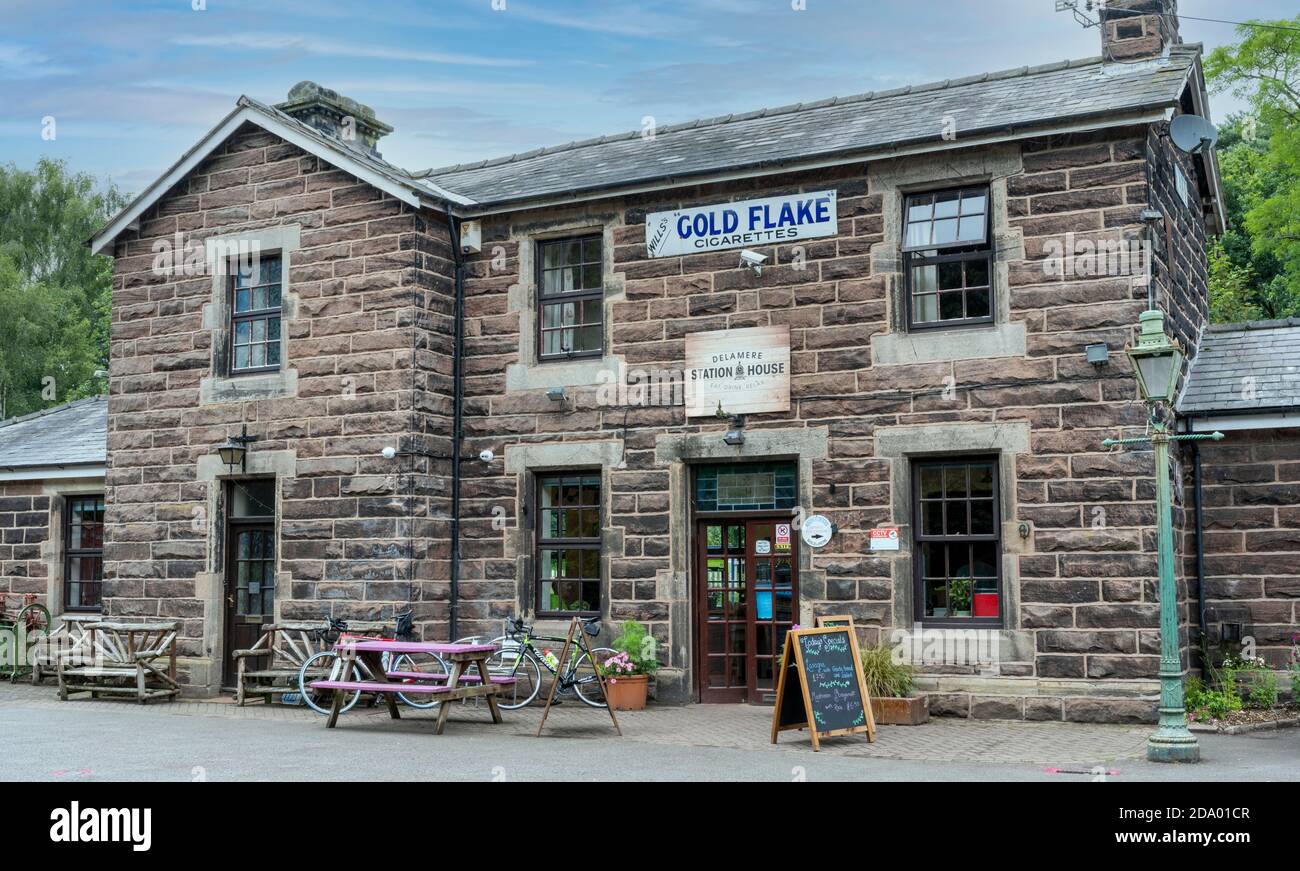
986 605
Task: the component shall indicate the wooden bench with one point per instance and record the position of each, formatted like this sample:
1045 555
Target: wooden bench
286 646
69 637
123 659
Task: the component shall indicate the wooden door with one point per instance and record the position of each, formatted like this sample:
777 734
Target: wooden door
746 600
250 587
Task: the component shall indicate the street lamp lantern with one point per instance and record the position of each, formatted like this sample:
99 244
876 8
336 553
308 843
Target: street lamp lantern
1156 359
235 450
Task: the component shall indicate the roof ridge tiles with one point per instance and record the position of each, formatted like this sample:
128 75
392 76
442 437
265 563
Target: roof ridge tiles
718 120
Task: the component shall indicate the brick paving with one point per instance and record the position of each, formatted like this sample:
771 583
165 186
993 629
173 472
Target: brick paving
726 726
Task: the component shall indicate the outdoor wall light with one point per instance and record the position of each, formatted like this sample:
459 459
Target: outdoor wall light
1157 359
235 451
736 435
555 394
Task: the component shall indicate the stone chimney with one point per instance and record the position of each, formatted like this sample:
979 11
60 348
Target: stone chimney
1133 30
335 115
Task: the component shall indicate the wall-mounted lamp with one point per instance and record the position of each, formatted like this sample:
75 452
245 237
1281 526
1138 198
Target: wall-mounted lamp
235 451
735 435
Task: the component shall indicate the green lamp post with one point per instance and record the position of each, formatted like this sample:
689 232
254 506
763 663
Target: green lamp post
1157 361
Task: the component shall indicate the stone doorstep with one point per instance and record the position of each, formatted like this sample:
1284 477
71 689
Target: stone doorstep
1244 728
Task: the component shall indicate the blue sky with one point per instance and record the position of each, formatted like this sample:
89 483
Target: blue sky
132 84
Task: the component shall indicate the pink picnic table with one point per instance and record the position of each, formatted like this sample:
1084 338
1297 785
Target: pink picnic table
448 688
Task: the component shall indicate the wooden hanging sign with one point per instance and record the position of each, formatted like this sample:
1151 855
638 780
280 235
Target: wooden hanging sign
821 687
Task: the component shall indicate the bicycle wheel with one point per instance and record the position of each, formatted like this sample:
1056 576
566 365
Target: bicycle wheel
517 663
424 668
325 664
586 684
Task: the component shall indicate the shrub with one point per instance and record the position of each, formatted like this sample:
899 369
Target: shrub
640 648
886 678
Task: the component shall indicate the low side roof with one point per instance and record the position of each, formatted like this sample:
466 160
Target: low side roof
1244 369
74 434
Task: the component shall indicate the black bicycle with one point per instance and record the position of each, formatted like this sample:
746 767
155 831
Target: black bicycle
519 657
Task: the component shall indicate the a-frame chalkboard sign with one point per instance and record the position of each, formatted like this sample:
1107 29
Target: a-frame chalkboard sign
821 687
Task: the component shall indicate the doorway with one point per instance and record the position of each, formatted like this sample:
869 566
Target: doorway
249 594
746 600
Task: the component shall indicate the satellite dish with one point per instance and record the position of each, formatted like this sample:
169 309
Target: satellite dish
1192 133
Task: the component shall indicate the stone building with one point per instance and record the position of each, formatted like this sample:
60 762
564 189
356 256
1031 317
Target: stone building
616 375
52 507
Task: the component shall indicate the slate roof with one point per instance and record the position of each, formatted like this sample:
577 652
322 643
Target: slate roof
1266 351
74 434
1018 98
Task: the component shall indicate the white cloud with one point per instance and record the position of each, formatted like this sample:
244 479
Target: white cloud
339 48
21 62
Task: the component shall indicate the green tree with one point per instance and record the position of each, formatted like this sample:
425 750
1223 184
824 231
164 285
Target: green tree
1255 266
55 296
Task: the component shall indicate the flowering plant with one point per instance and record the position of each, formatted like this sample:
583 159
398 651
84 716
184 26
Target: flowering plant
636 653
618 665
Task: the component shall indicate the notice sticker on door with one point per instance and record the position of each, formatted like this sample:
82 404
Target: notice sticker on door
762 546
782 536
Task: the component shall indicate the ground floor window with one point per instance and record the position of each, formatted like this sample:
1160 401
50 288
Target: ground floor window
958 547
568 543
83 548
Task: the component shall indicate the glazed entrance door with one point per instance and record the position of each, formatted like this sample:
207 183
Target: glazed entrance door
747 596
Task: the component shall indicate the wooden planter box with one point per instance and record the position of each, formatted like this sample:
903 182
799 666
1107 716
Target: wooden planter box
912 711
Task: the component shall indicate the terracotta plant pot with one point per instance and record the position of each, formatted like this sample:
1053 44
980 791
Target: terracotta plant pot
911 711
627 693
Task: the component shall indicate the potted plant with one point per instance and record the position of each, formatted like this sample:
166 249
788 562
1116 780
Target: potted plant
627 672
959 596
890 685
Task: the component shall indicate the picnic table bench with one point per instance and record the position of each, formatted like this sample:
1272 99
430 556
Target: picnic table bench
448 688
123 659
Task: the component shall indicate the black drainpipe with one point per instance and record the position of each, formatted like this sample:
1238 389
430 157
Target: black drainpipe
1200 546
457 436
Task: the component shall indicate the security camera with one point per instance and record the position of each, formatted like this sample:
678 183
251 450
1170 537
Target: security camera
486 455
389 452
753 260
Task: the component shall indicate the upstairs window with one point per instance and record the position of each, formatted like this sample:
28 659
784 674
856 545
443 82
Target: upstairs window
570 298
947 258
256 289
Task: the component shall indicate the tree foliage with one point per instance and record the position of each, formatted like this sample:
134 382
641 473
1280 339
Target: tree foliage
54 294
1255 266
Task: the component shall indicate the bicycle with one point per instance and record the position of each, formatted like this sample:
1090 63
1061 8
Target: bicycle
403 667
520 659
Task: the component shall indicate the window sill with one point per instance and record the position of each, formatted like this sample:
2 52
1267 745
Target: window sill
936 345
561 372
273 384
